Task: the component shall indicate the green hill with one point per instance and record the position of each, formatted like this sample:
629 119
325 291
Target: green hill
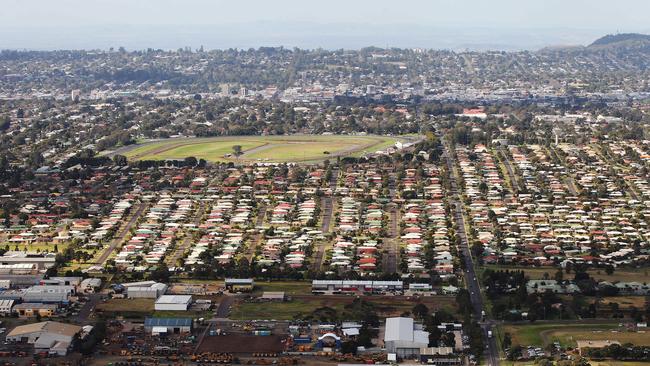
621 39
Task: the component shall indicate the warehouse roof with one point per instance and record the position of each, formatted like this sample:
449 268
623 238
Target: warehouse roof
6 303
49 327
239 281
167 322
399 329
273 295
174 299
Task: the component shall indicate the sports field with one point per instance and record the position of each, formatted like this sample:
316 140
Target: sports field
542 335
295 148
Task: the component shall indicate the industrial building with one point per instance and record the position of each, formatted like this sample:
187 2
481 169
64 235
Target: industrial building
39 261
273 296
62 281
33 309
239 284
18 269
52 337
159 326
49 294
404 337
421 288
339 286
90 285
145 290
20 280
441 356
5 307
173 302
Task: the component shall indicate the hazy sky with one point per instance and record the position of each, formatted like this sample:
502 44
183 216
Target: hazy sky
242 23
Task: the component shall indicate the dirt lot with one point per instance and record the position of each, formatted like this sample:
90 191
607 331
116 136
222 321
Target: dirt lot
127 305
242 344
302 305
193 289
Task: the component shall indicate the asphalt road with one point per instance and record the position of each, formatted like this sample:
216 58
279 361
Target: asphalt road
87 309
261 214
327 204
392 243
571 186
471 281
121 235
511 171
327 209
568 180
257 238
187 240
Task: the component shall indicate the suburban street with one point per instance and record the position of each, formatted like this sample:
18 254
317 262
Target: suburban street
471 281
121 234
325 183
187 240
327 211
257 237
391 258
511 172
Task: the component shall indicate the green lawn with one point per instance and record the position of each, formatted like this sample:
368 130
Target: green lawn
622 274
199 148
382 144
289 288
208 151
36 247
567 334
255 148
303 150
616 363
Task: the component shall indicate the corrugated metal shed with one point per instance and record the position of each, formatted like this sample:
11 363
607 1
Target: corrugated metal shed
399 329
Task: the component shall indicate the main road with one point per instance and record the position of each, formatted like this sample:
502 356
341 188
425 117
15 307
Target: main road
471 281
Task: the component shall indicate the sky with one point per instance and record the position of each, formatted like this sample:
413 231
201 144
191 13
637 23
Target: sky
454 24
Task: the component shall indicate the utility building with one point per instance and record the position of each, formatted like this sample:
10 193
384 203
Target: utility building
173 302
405 338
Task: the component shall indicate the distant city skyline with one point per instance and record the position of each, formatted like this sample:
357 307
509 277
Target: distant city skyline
457 24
